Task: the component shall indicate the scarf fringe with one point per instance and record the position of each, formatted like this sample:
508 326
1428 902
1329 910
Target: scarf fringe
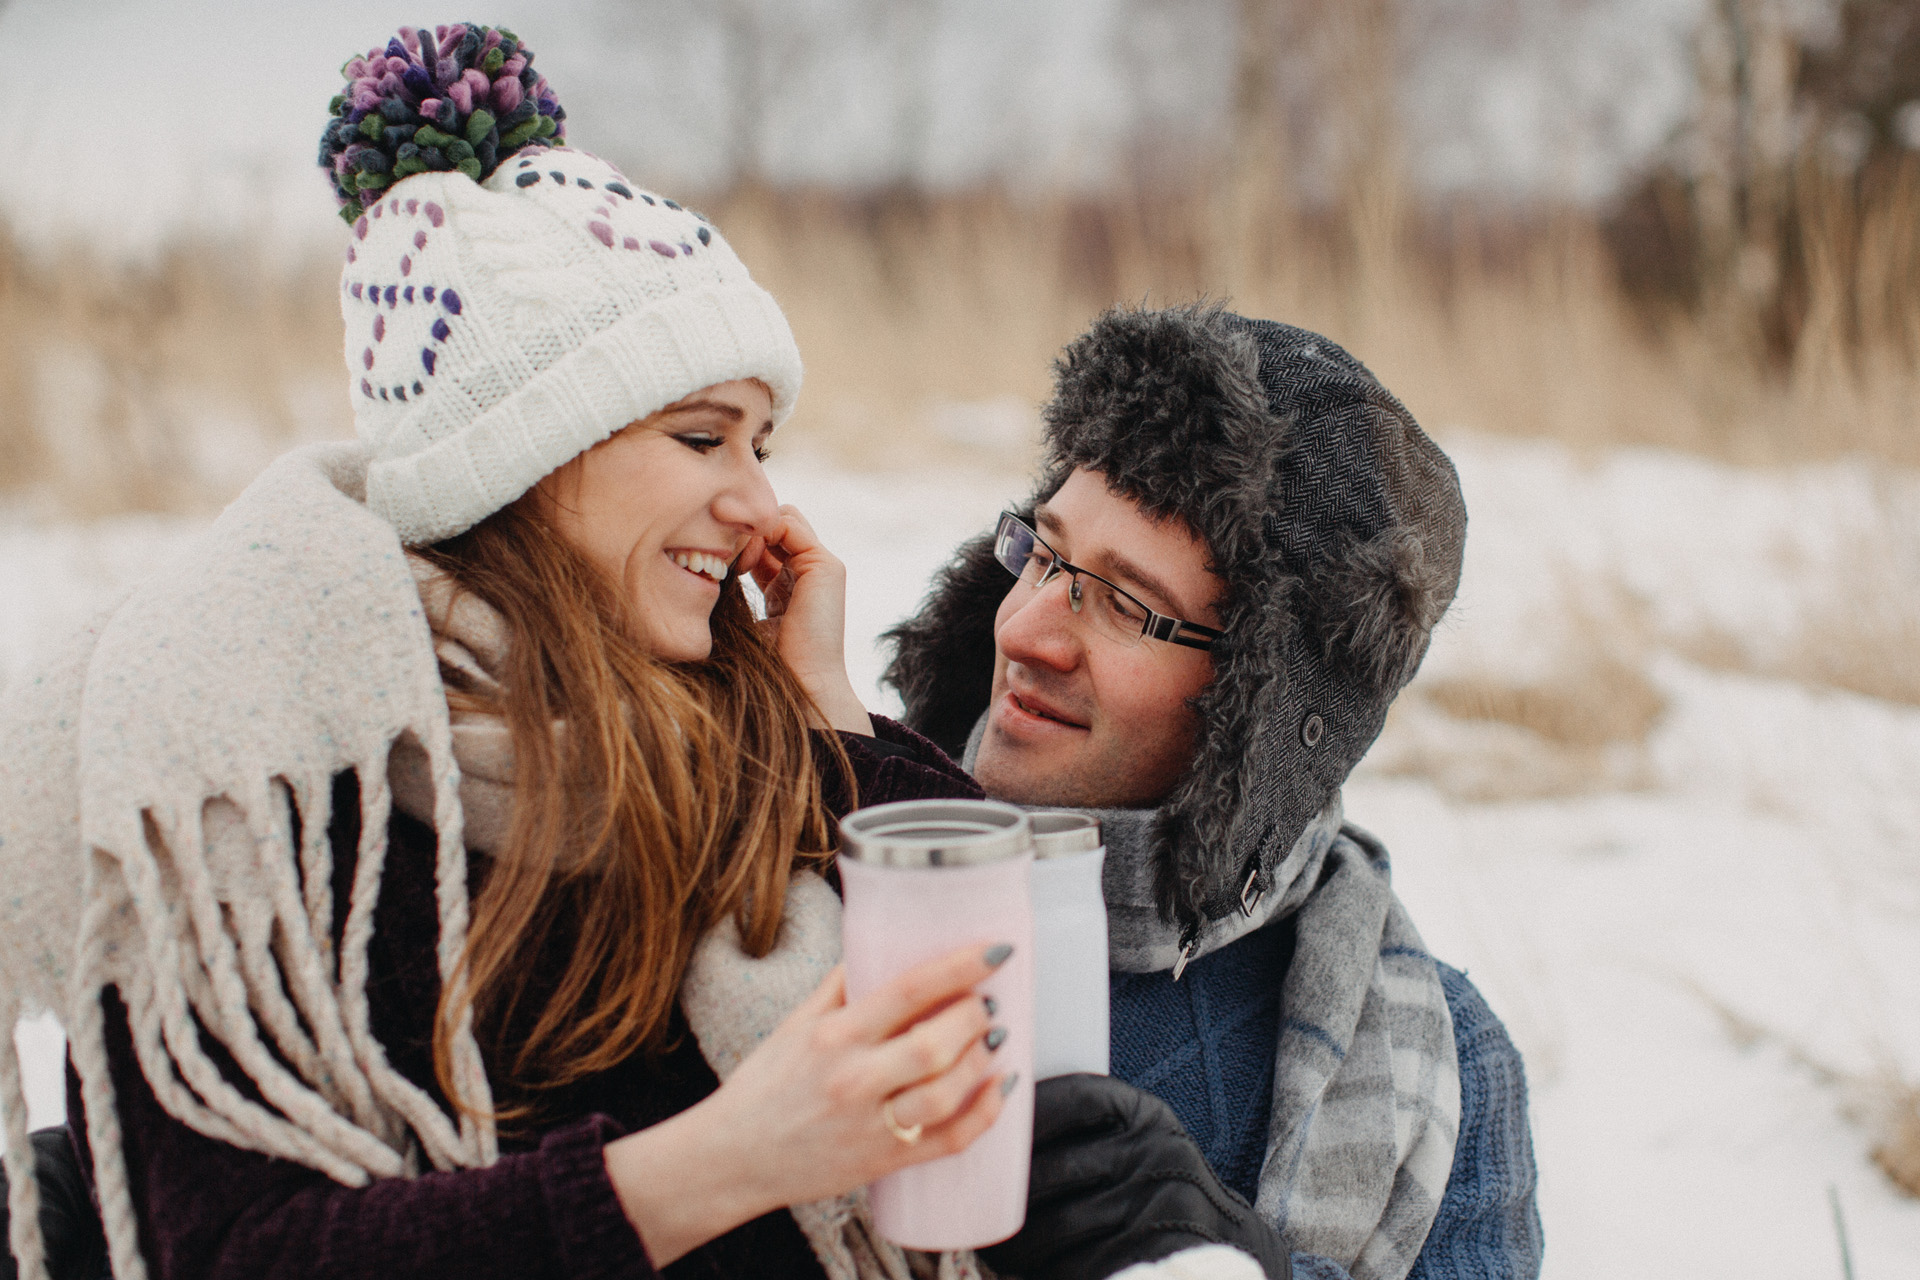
23 1189
171 791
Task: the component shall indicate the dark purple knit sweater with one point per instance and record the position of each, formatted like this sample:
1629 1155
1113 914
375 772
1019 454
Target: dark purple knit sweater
209 1211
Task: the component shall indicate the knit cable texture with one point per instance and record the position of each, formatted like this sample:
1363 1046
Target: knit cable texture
164 805
496 330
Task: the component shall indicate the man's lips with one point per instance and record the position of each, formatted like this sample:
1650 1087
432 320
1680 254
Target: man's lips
1031 708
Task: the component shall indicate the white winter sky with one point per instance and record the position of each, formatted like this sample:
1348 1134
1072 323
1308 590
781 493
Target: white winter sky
134 122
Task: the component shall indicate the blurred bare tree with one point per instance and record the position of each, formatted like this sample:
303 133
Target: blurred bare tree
1786 217
1743 149
740 58
766 74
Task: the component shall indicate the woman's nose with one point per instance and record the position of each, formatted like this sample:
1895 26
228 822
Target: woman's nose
748 499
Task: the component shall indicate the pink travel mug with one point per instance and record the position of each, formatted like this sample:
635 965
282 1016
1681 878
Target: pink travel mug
920 878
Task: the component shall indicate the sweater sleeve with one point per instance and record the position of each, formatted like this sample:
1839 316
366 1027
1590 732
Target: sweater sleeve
895 763
211 1210
1488 1227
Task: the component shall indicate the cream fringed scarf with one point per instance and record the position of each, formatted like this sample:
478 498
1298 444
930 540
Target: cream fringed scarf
149 779
148 782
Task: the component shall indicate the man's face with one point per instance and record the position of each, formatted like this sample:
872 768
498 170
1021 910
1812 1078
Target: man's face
1078 718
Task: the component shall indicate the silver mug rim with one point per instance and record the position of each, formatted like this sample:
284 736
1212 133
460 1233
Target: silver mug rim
936 833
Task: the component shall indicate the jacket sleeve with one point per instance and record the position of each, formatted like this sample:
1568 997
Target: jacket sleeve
895 763
1488 1227
211 1210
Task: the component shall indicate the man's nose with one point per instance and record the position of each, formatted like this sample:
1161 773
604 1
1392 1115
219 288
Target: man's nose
1042 631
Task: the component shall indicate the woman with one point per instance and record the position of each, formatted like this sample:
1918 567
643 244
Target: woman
310 1035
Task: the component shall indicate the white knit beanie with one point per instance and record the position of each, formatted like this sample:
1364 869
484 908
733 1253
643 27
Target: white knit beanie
496 330
511 302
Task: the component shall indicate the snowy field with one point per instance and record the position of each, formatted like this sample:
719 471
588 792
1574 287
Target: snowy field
1704 933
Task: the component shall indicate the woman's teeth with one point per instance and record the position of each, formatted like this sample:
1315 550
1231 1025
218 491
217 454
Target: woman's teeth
702 563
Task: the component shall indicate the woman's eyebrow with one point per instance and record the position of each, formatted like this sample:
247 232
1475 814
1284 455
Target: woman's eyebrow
731 412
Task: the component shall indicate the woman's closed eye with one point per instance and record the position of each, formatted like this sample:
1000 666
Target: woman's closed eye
703 443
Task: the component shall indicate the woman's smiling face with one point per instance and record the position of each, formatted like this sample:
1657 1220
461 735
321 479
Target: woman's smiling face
665 505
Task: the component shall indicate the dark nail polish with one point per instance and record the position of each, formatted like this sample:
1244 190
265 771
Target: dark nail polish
997 955
993 1006
1006 1085
996 1036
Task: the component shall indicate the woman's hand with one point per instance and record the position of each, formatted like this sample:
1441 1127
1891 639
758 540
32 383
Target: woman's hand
802 1118
805 586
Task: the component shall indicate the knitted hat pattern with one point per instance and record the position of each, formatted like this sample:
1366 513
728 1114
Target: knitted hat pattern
508 305
462 97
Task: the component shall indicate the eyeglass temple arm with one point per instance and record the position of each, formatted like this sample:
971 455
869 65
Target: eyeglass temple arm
1174 631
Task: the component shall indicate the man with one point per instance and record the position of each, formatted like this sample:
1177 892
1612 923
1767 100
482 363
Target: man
1237 550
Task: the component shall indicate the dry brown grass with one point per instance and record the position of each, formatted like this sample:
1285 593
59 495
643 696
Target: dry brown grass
136 389
1898 1152
1858 630
1864 636
1601 701
1581 728
1518 328
1577 722
903 303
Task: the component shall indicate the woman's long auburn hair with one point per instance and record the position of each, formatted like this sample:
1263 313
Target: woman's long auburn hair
681 793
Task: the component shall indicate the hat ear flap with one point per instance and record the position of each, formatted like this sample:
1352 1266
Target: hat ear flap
1376 604
943 655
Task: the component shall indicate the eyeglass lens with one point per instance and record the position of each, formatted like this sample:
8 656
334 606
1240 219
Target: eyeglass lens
1110 612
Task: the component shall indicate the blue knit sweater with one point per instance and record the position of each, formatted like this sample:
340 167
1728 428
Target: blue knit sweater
1205 1044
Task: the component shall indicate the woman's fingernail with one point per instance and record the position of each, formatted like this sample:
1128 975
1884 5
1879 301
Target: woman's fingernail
1006 1085
997 955
993 1006
996 1036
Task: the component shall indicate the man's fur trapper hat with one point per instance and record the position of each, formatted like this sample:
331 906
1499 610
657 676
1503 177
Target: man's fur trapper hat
1335 524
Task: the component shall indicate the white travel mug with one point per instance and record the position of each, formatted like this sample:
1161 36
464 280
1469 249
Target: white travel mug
1071 1028
920 878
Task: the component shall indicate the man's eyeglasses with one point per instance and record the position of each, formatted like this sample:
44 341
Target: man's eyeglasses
1109 609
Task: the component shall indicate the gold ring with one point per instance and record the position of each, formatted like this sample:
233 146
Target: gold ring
906 1135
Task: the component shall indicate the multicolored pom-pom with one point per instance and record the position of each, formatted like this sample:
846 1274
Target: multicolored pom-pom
460 97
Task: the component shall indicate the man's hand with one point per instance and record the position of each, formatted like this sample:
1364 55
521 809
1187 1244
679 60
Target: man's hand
1116 1181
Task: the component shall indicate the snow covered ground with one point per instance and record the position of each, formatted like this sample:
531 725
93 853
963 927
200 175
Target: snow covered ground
1704 937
